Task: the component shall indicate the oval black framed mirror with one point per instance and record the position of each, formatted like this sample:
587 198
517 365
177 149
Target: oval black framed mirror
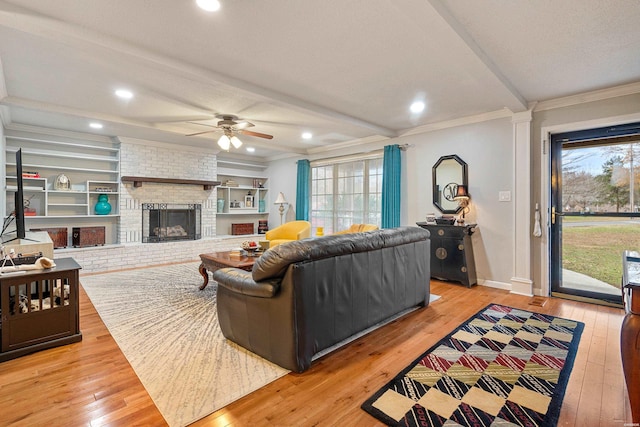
447 173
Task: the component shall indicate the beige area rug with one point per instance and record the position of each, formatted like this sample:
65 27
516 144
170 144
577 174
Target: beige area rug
168 330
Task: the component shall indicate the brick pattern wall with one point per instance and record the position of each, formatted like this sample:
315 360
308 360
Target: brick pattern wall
163 161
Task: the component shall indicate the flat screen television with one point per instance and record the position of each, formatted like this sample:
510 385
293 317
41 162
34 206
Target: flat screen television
19 198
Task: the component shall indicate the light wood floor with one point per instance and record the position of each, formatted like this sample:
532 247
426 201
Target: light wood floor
91 383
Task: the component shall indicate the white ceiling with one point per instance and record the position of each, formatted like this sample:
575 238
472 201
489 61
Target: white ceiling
344 70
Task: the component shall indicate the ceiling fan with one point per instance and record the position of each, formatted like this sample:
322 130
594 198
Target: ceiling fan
231 126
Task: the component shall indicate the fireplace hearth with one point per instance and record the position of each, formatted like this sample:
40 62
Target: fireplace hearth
167 222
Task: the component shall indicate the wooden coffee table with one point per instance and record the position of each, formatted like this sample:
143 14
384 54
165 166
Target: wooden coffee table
216 260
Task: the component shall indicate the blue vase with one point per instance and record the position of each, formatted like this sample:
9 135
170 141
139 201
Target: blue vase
103 207
261 206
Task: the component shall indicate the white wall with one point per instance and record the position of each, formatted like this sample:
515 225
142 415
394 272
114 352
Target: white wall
282 178
486 147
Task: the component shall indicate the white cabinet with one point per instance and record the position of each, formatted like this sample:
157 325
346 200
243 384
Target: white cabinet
65 180
241 199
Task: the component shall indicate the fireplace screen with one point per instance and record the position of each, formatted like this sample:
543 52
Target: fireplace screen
165 222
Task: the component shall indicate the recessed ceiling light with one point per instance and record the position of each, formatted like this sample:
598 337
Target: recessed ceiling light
417 107
124 94
307 135
251 149
95 125
209 5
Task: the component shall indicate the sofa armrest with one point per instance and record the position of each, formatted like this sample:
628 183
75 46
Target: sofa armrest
240 281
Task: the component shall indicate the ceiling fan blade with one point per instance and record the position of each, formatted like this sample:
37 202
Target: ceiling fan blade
258 134
243 124
200 133
203 124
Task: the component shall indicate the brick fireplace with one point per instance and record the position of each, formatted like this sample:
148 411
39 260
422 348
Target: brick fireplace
165 222
153 159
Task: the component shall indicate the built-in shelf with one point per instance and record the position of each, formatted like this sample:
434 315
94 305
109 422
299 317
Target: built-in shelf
91 166
138 180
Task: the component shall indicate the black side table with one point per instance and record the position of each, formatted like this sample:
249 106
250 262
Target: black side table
452 252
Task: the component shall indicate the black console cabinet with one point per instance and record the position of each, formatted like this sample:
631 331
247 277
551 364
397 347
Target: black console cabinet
452 252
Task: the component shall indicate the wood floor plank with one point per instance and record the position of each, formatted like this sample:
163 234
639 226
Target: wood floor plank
90 383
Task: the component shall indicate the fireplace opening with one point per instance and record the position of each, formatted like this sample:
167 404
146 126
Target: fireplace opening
166 222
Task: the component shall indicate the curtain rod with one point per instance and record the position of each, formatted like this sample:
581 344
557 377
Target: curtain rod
361 156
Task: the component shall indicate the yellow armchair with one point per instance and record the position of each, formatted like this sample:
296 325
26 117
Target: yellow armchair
294 230
358 228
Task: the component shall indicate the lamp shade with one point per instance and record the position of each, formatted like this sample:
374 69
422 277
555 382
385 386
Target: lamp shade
462 193
236 142
280 199
224 142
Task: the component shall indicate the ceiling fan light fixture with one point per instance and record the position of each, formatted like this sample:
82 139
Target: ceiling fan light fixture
236 142
224 142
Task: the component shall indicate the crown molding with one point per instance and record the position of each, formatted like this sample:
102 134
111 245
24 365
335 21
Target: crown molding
348 144
584 98
478 118
41 130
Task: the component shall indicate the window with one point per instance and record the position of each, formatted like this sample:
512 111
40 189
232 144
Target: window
346 193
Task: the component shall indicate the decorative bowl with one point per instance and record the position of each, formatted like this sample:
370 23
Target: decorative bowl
250 247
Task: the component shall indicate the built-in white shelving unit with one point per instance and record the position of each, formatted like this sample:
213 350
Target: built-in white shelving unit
91 168
241 199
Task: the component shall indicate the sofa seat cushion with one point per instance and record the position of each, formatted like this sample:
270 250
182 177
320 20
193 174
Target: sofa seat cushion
274 262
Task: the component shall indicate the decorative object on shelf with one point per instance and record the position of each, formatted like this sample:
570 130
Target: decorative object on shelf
62 183
462 197
220 205
231 183
234 205
58 235
103 190
242 228
280 200
248 200
262 206
103 207
30 174
431 218
263 226
28 211
82 237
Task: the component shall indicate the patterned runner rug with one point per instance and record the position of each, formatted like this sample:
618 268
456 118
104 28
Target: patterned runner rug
502 367
168 330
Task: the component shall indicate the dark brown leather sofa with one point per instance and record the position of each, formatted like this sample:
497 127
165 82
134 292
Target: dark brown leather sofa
305 296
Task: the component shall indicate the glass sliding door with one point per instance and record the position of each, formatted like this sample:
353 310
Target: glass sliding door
595 211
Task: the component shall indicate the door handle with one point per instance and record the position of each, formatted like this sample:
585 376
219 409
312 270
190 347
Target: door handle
554 213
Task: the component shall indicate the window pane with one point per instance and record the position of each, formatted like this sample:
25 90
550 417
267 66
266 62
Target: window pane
357 197
603 179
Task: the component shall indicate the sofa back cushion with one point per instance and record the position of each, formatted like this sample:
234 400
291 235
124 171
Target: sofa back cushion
274 262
